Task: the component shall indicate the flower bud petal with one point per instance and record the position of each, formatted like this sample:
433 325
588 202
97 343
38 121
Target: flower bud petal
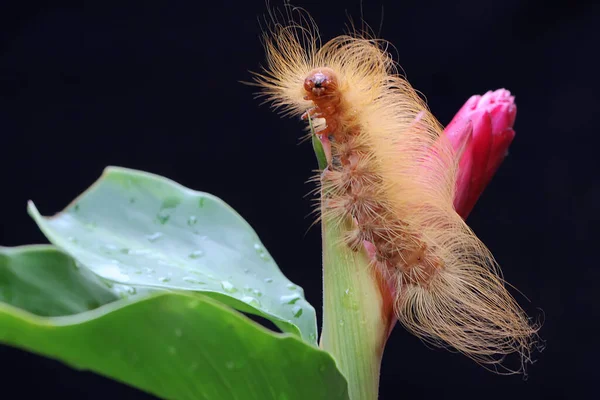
492 117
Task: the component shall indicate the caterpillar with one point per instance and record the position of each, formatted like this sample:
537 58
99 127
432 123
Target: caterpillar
392 174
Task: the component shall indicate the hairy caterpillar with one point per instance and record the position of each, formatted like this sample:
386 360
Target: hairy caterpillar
393 176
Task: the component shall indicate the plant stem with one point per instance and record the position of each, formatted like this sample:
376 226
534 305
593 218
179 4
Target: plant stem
354 327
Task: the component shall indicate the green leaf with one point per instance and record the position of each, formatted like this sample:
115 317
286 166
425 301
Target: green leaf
47 282
173 345
141 229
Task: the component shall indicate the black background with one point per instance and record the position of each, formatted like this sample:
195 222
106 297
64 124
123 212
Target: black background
155 87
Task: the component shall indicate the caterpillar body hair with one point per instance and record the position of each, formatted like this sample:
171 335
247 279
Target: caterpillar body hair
392 175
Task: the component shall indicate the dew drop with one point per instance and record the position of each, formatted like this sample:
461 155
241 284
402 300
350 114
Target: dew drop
124 250
72 239
201 202
113 273
192 220
195 281
290 298
172 350
196 254
297 311
154 237
90 225
163 217
178 332
170 202
268 280
261 251
123 290
164 279
229 365
291 286
228 287
251 301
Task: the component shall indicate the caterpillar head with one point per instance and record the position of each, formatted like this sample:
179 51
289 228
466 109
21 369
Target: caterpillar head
320 82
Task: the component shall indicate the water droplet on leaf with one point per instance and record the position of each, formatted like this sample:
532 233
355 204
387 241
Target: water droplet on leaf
90 225
290 298
251 300
163 217
228 287
154 237
297 311
196 254
114 273
189 279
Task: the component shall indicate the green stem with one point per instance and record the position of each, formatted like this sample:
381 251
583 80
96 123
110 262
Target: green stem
354 329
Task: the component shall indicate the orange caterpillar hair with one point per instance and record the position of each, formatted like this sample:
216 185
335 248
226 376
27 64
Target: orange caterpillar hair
392 175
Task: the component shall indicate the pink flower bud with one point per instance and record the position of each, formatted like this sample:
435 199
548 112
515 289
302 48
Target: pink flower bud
480 133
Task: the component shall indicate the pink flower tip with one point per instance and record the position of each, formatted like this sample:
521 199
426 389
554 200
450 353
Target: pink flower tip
480 133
